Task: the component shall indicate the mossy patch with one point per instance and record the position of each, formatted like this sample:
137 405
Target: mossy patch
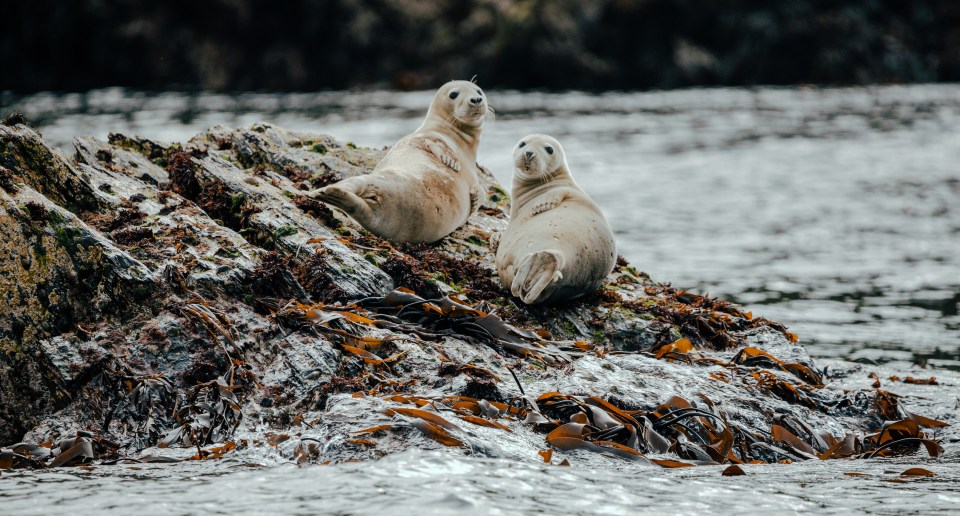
45 170
104 156
284 231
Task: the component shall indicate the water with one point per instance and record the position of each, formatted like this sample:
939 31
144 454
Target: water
834 211
432 483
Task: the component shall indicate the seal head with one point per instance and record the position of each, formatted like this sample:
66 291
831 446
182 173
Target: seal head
460 104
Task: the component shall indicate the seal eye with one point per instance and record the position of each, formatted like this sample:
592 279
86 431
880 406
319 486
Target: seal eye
522 144
454 94
549 149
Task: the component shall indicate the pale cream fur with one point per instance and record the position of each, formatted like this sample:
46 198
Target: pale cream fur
427 185
558 245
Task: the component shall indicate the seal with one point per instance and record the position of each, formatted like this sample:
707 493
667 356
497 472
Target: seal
558 245
427 185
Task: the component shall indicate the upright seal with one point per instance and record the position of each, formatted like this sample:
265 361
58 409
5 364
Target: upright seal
427 185
558 245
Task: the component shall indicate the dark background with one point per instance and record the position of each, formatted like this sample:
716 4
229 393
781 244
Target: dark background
281 45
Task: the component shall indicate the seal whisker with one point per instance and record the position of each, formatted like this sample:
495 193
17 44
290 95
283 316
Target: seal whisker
545 175
454 121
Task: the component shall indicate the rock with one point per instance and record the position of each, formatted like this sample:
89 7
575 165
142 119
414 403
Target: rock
57 273
44 168
191 295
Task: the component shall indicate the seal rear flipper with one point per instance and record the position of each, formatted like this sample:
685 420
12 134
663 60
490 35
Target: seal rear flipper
354 205
535 272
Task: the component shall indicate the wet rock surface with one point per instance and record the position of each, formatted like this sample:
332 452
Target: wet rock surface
169 301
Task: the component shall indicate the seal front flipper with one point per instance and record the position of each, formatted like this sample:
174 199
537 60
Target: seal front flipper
450 162
535 272
549 202
440 150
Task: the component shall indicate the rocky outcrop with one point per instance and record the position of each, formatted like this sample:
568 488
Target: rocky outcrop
190 299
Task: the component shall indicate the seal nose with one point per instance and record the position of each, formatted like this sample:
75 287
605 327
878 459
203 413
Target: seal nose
528 154
476 101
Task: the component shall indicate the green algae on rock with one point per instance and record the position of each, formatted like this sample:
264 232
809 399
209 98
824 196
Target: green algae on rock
190 295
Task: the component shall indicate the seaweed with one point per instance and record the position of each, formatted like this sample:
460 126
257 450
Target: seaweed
465 274
316 281
109 222
484 389
449 316
205 366
132 236
318 210
409 273
418 267
232 209
182 171
145 408
272 277
705 320
694 435
211 414
305 179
